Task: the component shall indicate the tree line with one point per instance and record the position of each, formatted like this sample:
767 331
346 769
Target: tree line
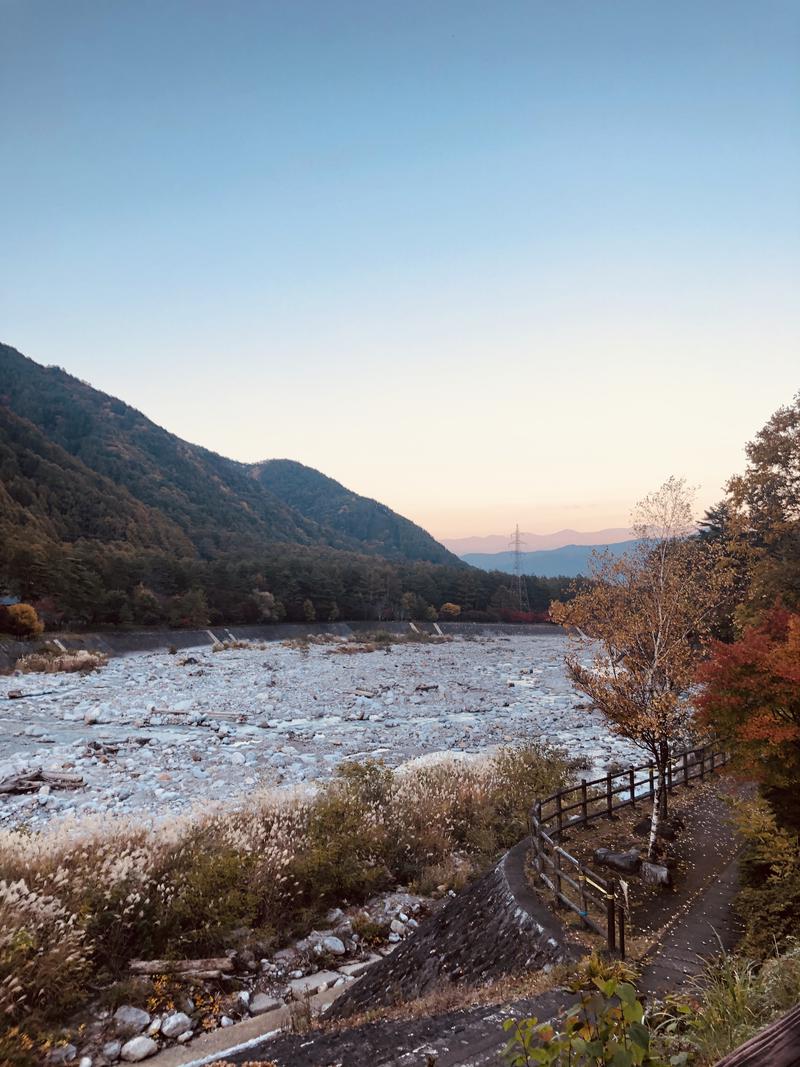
89 585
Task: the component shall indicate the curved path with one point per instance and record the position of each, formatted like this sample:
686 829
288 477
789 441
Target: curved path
687 925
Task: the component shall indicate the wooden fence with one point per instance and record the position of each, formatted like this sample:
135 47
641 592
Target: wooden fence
596 899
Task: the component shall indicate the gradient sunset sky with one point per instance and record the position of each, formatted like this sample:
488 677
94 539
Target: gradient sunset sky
488 262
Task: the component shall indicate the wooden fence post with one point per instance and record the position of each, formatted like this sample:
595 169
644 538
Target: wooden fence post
686 768
609 797
632 779
702 763
584 805
557 876
558 814
621 910
651 768
611 922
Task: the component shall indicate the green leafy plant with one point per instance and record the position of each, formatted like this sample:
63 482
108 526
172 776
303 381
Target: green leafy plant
606 1029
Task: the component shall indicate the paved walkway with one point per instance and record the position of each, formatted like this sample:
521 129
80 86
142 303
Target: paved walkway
689 924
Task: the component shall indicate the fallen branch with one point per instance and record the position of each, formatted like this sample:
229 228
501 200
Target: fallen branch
214 967
31 781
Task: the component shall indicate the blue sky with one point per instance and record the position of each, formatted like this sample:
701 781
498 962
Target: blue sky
488 262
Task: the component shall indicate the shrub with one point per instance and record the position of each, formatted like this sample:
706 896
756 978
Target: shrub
606 1027
101 891
769 901
49 661
729 1002
44 957
21 620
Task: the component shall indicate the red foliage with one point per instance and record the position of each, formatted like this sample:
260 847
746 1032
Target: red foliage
751 697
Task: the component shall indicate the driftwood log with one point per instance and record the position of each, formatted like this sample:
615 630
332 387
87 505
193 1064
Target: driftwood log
214 967
31 781
776 1046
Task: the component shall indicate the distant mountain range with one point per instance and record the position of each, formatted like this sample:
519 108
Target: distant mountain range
77 465
569 560
463 546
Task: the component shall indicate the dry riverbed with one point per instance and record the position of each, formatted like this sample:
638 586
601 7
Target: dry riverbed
154 733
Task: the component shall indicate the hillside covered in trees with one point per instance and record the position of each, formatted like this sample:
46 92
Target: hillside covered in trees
108 519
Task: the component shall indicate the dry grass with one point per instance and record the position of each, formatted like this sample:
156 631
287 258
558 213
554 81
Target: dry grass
79 899
452 997
49 661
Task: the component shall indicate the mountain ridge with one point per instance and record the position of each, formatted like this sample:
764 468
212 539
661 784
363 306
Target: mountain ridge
492 543
216 505
569 561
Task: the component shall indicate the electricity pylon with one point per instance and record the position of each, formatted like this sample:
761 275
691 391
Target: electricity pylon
519 587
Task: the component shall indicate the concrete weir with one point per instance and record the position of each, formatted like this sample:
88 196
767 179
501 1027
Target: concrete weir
121 642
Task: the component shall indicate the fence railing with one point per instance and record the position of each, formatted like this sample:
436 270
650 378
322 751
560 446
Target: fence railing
597 900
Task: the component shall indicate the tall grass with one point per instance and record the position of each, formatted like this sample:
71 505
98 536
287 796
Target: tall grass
79 899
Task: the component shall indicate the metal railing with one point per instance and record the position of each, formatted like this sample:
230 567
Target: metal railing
597 900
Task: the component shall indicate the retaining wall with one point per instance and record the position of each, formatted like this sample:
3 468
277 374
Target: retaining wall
494 927
120 642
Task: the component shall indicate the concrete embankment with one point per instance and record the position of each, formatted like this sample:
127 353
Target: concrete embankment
121 642
496 926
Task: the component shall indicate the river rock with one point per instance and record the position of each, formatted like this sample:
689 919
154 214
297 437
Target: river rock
129 1020
175 1024
138 1048
62 1054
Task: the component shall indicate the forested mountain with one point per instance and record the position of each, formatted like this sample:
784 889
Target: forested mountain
377 528
106 518
216 504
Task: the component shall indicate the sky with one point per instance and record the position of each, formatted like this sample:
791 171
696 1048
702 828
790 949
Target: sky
486 262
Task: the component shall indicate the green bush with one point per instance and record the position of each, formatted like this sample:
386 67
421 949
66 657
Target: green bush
769 901
605 1028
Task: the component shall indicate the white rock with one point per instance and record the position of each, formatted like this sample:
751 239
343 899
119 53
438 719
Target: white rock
175 1024
111 1050
129 1020
334 945
138 1048
260 1003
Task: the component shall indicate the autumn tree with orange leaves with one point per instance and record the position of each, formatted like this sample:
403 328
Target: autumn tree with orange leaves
751 700
640 628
